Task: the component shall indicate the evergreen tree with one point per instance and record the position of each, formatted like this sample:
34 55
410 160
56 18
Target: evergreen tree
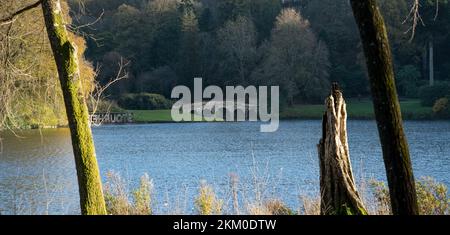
189 52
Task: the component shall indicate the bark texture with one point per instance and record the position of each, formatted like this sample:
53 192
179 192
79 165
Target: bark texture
431 60
387 108
89 182
339 195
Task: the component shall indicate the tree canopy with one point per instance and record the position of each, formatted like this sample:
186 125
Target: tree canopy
301 47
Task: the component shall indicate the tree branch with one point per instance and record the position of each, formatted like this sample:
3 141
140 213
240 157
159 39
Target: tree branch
10 18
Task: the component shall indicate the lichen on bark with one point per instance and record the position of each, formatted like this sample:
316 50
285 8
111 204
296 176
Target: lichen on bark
89 181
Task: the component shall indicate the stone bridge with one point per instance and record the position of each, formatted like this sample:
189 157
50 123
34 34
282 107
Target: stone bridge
224 109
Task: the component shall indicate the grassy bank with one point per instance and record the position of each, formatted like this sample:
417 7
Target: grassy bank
152 116
356 109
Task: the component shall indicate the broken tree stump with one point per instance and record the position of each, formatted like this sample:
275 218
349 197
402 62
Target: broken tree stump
339 195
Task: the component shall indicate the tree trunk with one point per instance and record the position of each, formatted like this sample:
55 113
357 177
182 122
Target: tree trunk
337 185
424 61
431 61
89 182
387 107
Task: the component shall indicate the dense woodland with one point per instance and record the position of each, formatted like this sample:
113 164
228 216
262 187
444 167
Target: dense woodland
302 46
257 42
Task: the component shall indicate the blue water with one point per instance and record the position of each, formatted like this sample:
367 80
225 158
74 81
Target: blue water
37 170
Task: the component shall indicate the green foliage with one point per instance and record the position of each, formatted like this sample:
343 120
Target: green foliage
407 81
346 210
430 94
340 34
352 79
159 81
363 109
263 13
188 64
223 42
144 101
229 42
40 115
432 197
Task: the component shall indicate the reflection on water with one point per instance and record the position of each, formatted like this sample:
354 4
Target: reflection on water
37 173
37 169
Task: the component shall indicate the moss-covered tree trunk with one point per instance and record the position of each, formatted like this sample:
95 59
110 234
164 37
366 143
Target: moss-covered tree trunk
89 182
387 108
431 61
338 192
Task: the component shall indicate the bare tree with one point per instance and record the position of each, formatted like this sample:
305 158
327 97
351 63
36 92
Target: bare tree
97 94
237 40
338 192
415 18
25 60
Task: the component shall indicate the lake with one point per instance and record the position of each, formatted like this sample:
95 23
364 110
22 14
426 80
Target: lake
38 175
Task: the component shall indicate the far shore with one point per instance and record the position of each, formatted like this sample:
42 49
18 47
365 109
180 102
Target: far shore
356 110
412 110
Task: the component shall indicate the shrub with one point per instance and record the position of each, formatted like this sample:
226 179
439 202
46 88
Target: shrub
206 202
160 81
430 94
432 197
381 196
441 107
144 101
277 207
117 196
309 205
269 207
408 77
142 197
104 106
